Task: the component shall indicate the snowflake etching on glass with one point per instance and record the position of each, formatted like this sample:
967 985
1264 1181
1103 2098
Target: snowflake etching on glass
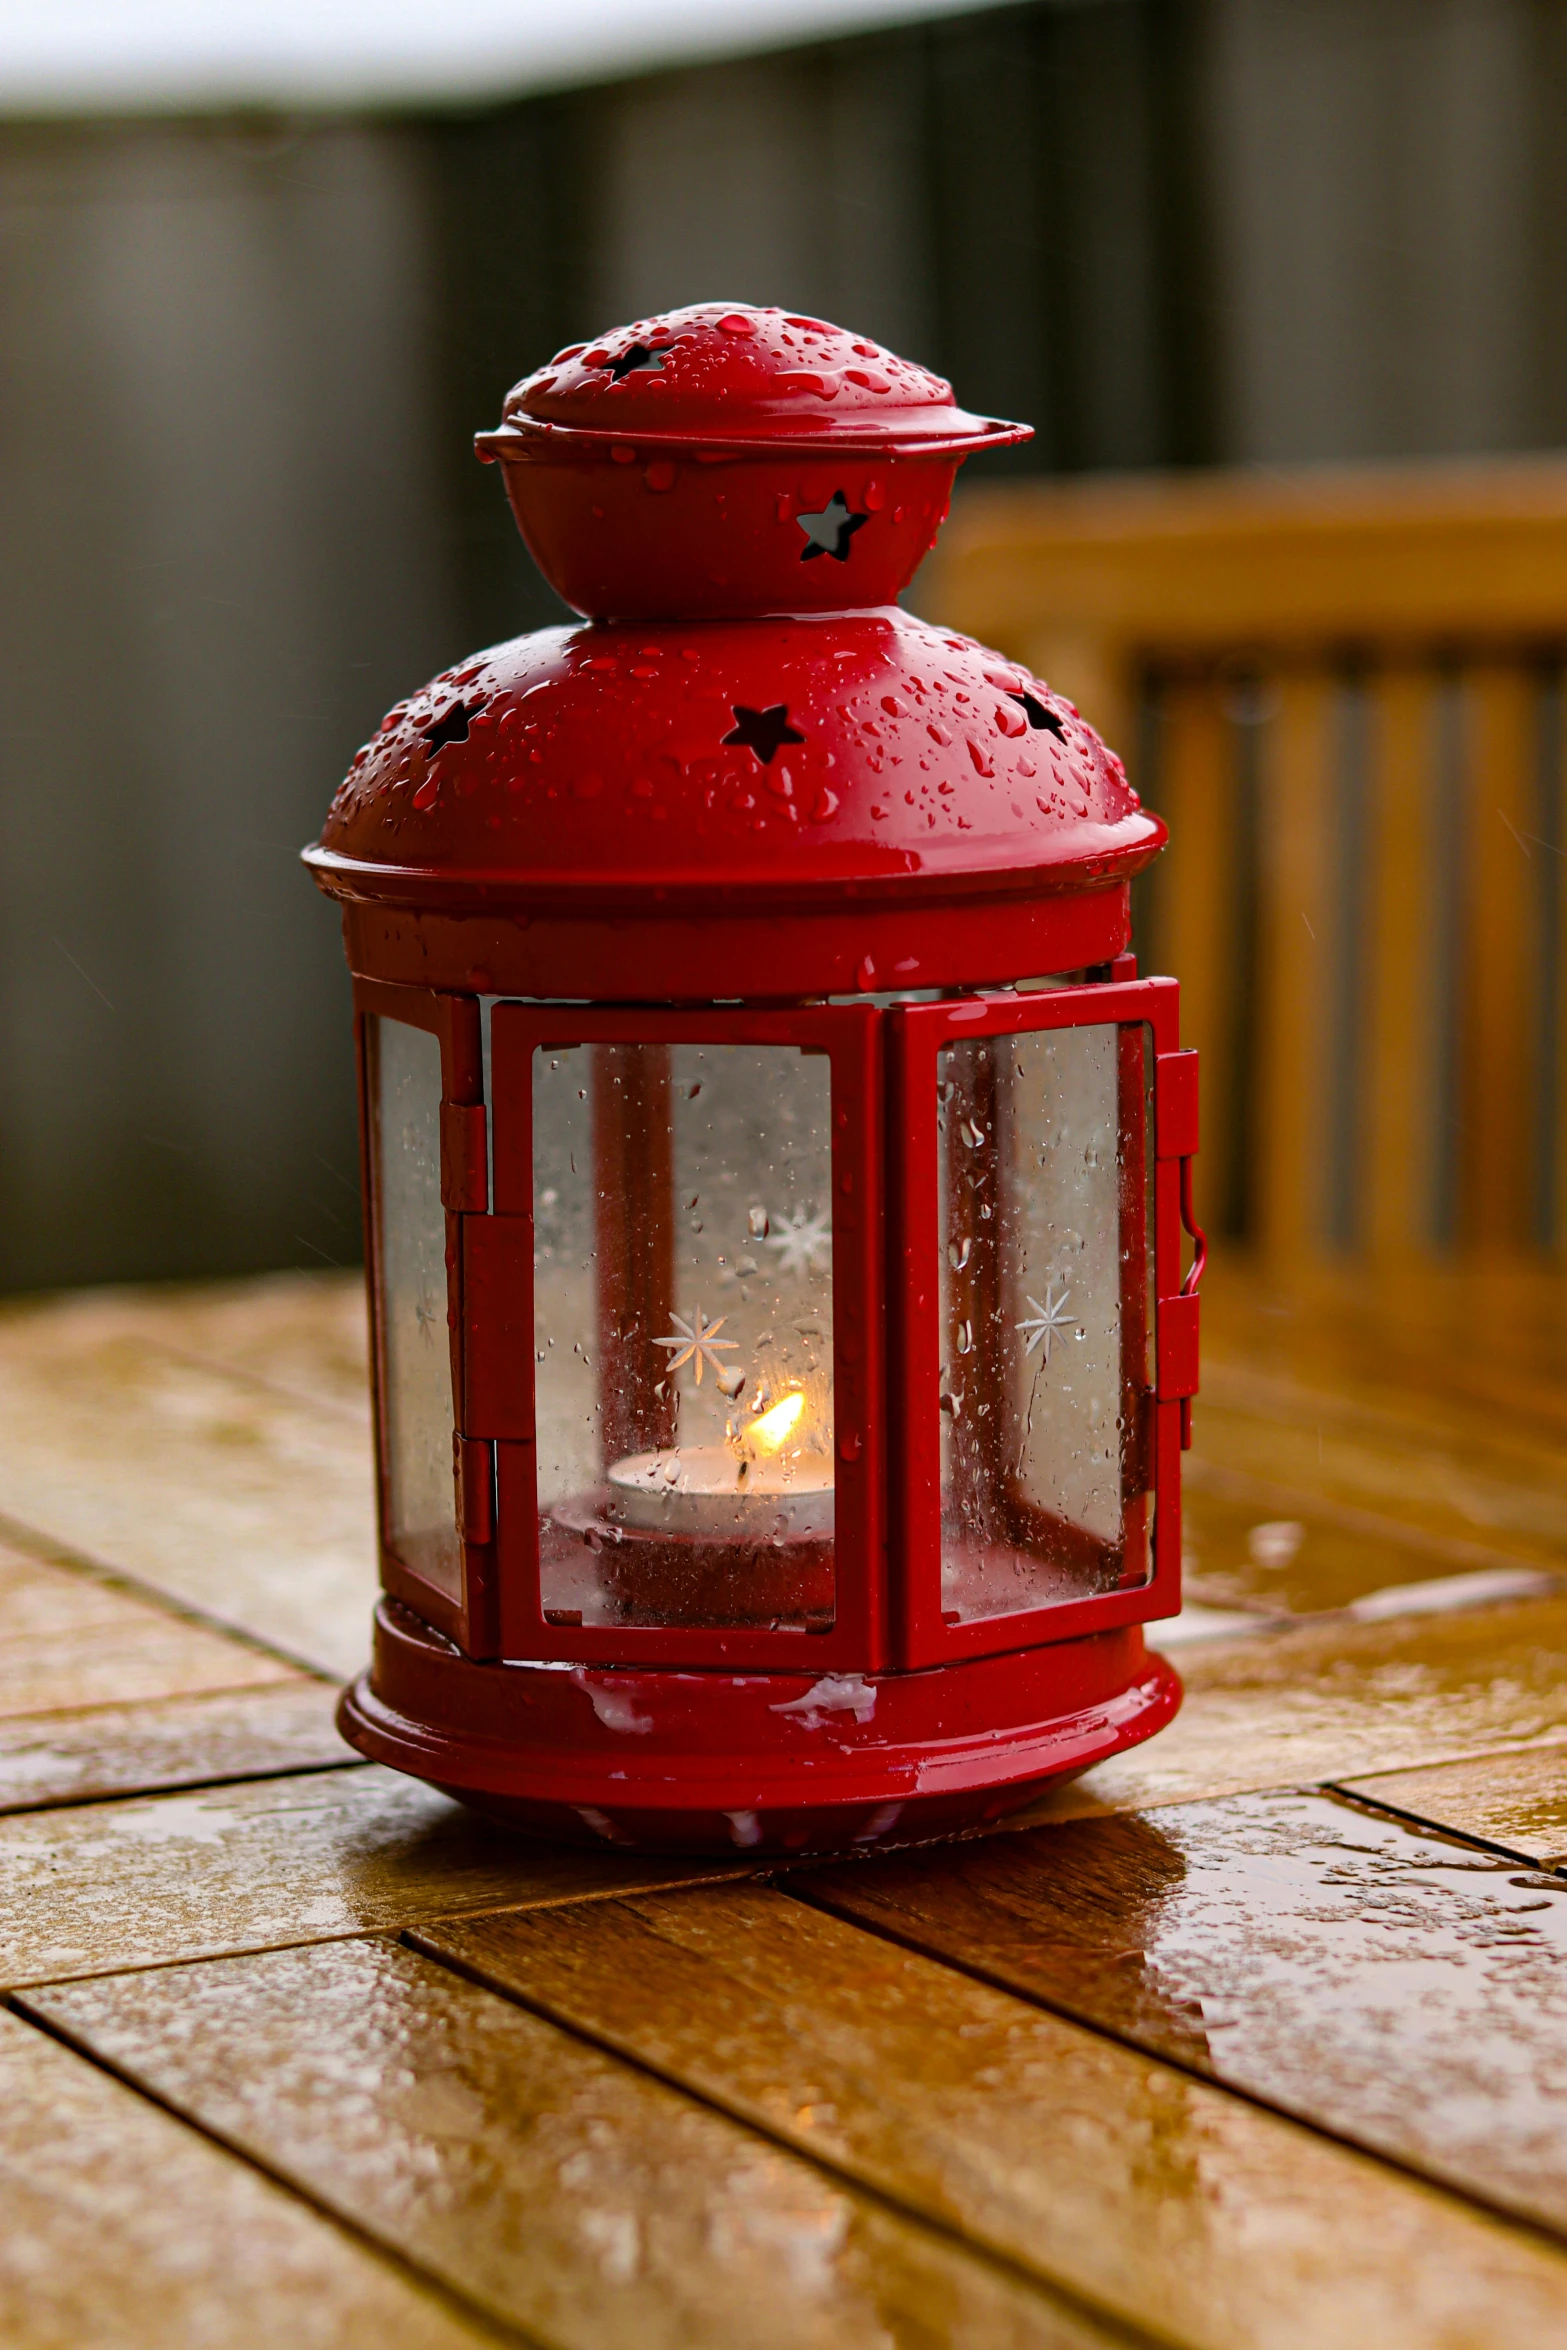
804 1243
1047 1321
698 1342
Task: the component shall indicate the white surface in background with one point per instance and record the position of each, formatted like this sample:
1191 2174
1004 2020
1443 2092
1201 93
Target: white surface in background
97 56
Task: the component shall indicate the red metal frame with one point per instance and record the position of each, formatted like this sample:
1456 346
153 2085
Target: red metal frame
916 1033
886 1280
498 1320
455 1022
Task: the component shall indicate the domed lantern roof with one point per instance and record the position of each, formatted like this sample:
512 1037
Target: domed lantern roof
694 767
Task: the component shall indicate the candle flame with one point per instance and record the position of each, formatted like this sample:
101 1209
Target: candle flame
773 1430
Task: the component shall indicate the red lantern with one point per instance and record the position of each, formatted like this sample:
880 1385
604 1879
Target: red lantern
774 1163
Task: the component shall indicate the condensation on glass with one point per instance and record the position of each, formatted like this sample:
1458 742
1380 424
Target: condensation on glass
683 1334
1045 1284
416 1362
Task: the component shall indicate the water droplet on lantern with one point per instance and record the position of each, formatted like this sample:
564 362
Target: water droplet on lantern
965 1338
958 1254
758 1223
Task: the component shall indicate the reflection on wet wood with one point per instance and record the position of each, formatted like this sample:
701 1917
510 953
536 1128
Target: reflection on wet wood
1249 1541
1334 1700
555 2187
68 1640
274 1861
1157 2197
1515 1801
179 1742
1397 1987
127 2231
211 1445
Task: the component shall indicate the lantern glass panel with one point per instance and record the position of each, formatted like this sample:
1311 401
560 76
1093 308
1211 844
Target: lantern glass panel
1045 1283
416 1361
683 1334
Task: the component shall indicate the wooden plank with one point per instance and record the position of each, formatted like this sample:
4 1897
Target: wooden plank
176 1742
1312 557
134 1662
238 1492
1470 1358
303 1334
1336 1700
1432 1488
126 2230
275 1861
1198 885
1259 1542
1500 967
1515 1801
559 2189
70 1639
1297 945
1551 824
1390 1984
1351 1437
1156 2197
1398 1074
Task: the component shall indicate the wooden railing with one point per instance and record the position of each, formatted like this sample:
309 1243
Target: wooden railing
1345 693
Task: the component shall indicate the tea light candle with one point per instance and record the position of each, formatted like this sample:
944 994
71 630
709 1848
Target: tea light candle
750 1490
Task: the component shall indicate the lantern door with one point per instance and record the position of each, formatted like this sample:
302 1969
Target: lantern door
1037 1231
671 1336
422 1100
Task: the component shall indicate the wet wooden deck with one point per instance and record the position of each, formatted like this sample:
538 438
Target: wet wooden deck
1257 2037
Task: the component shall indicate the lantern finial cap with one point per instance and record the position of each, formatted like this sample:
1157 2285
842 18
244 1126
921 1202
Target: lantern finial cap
729 377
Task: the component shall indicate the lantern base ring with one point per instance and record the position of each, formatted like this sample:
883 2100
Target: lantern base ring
708 1762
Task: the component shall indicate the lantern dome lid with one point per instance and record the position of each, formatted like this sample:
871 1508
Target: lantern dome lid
728 377
660 767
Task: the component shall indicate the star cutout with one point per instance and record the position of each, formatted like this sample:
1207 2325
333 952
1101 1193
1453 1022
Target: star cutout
804 1243
763 731
1035 711
639 360
697 1341
1050 1320
829 532
451 727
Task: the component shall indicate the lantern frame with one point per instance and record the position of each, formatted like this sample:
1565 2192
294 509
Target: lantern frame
455 1021
916 1034
849 1036
886 1321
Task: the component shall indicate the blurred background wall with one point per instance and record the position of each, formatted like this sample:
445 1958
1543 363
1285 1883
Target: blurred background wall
244 357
